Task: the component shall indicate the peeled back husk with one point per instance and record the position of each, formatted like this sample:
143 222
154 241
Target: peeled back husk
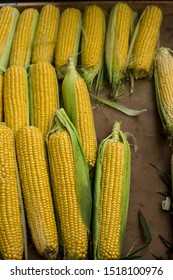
83 186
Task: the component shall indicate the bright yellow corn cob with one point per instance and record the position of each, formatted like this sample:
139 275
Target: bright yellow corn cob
43 95
77 105
117 42
68 39
11 233
163 74
111 195
36 190
92 43
8 21
71 188
23 38
1 97
144 42
16 98
45 34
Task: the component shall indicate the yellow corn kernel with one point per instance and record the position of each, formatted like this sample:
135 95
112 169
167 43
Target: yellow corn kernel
23 38
117 43
146 42
45 34
163 65
111 191
36 190
111 195
77 104
67 39
86 127
122 33
16 98
11 233
93 37
8 21
44 95
1 97
74 231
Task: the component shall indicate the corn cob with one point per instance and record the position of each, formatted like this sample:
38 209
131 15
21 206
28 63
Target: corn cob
77 105
1 97
144 42
8 21
43 95
92 45
45 34
23 38
71 186
111 195
68 39
36 190
163 74
16 98
11 231
117 43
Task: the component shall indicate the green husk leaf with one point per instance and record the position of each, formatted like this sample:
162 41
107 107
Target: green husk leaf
116 135
118 106
5 56
167 124
83 188
167 243
164 177
92 74
32 33
61 71
146 233
69 93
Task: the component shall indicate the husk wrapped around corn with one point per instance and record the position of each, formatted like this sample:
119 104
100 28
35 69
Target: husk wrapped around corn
163 76
92 46
71 187
111 195
77 104
118 34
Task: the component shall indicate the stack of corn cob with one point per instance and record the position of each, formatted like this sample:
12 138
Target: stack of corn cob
40 135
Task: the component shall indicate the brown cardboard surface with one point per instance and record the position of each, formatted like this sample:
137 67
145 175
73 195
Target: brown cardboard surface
153 147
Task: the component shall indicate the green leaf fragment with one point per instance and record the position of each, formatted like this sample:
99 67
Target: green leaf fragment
118 106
